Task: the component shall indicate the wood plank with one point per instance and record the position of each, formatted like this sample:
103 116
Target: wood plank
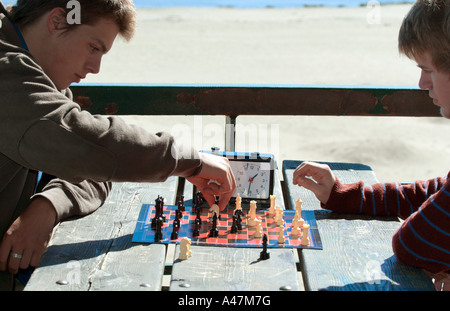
95 252
227 268
234 269
357 252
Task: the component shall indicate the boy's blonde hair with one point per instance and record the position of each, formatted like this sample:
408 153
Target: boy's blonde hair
426 28
123 12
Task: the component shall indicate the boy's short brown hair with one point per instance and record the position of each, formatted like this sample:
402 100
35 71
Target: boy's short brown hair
426 28
123 12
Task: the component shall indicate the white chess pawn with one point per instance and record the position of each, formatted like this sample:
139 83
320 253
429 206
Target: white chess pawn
272 205
251 219
185 249
305 238
298 204
238 203
281 238
279 216
258 229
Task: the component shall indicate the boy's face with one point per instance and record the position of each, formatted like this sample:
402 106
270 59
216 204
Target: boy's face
78 52
436 82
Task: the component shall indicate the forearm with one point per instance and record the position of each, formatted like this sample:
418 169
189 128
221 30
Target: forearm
74 199
423 239
384 199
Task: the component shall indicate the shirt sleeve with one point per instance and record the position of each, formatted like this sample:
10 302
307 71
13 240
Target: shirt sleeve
44 130
423 239
74 199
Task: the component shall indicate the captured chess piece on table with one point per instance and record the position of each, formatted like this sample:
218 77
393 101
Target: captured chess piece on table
185 249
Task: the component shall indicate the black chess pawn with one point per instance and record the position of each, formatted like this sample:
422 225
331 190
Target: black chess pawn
198 218
214 232
234 227
196 232
178 213
238 220
158 227
198 222
199 200
174 234
264 255
176 223
181 206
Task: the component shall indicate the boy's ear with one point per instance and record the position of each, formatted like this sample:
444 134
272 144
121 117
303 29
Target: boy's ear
56 20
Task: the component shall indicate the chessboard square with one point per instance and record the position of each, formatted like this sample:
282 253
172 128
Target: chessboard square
238 242
254 241
295 242
217 240
241 235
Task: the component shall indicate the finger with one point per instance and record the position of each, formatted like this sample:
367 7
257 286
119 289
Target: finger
301 171
25 260
35 258
14 261
209 197
5 251
308 183
224 200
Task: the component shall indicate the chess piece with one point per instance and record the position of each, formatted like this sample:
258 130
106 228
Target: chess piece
214 232
295 231
305 238
281 238
234 227
199 200
279 216
158 228
215 211
264 255
251 219
185 249
298 204
297 221
176 223
272 205
159 203
258 229
181 206
196 231
238 219
174 234
298 210
198 219
238 203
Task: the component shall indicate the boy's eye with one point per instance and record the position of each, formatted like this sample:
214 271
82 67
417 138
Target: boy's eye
93 48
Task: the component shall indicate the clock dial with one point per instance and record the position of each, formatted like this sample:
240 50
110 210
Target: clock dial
252 179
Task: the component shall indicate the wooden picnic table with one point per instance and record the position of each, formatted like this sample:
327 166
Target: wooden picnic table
96 252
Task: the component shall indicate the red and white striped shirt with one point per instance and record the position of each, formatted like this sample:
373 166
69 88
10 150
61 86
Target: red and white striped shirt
423 239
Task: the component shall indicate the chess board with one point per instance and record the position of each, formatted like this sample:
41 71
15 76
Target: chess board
144 233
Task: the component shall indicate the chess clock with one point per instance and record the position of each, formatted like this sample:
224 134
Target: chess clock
254 173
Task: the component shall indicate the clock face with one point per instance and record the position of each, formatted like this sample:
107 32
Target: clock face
252 179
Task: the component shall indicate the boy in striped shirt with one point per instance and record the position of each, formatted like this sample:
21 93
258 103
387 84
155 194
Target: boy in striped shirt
423 239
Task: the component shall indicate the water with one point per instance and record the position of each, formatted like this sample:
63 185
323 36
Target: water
257 3
251 3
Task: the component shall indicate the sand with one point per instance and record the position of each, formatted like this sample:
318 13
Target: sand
320 46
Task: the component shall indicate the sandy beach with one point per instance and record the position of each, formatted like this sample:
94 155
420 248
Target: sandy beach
324 46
